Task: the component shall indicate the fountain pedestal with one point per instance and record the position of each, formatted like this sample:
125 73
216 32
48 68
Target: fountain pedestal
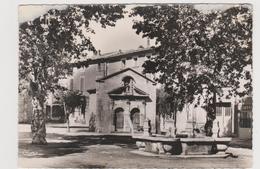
201 146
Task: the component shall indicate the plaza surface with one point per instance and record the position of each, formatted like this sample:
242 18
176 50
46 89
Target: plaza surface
82 149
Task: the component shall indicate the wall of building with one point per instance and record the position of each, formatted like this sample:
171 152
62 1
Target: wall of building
134 63
89 75
104 68
93 71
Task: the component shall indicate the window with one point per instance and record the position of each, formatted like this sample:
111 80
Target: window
227 111
105 67
218 111
81 85
100 67
135 62
247 107
223 107
245 120
71 84
123 63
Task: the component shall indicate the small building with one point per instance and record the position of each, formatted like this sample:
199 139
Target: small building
117 91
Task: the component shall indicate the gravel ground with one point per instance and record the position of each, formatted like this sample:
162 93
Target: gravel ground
95 151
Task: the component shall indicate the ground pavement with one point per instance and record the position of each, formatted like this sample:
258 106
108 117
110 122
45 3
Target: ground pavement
82 149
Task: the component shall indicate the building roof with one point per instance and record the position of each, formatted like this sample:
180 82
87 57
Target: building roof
121 53
122 71
114 56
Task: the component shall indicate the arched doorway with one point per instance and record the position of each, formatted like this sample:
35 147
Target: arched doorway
135 118
119 118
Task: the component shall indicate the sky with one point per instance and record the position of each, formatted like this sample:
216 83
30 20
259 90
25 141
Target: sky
120 37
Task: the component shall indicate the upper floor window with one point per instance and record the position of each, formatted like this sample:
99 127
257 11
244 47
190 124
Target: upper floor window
100 65
135 61
81 85
123 63
71 84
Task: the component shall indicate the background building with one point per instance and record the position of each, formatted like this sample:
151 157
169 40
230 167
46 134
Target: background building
117 90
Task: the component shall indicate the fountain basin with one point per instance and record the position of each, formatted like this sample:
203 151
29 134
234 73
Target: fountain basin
203 145
183 146
159 145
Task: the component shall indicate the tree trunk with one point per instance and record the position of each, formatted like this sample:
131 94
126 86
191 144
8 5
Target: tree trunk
211 115
67 115
175 120
68 123
38 123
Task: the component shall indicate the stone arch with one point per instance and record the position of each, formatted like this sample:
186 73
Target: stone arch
119 118
135 117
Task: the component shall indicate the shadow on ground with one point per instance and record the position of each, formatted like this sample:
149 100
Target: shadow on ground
29 150
92 166
64 145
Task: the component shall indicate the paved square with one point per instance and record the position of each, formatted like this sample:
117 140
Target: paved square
84 149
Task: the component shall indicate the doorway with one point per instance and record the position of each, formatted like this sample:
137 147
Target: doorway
135 118
119 119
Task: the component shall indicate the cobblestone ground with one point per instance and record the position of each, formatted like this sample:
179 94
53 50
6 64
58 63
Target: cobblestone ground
95 151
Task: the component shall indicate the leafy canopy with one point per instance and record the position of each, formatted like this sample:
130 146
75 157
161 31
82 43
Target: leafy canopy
48 44
197 50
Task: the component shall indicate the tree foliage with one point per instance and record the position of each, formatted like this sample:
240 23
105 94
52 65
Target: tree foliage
196 49
73 99
48 45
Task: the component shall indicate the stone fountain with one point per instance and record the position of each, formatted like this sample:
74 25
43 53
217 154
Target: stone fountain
190 138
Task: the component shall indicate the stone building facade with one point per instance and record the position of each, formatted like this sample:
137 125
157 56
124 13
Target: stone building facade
118 93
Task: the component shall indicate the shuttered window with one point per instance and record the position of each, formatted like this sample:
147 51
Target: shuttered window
245 120
81 85
71 84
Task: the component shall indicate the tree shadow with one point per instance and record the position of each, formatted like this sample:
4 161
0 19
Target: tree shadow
122 141
91 166
29 150
71 144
